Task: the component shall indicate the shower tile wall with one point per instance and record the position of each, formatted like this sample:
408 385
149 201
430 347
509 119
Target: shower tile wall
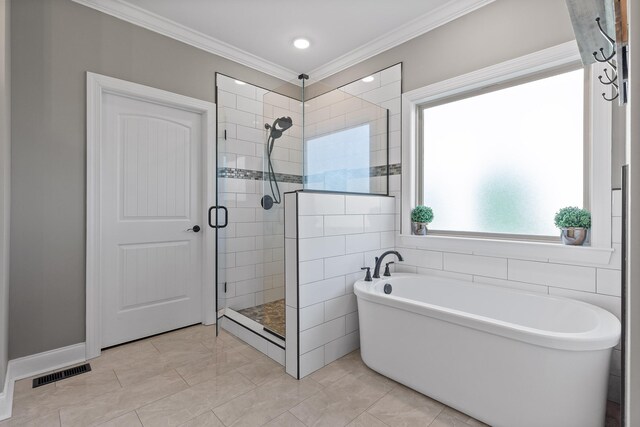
251 248
356 104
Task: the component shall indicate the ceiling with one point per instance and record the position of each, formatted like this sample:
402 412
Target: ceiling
259 33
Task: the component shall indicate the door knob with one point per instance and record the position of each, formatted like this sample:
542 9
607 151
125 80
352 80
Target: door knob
195 228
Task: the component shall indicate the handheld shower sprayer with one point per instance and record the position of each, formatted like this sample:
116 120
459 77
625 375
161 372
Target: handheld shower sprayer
275 131
279 126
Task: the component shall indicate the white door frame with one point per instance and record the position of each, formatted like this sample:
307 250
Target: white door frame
97 86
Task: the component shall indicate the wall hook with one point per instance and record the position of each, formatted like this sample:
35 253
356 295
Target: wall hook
615 93
611 41
604 58
610 78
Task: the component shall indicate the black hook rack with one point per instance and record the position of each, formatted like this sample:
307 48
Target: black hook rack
609 79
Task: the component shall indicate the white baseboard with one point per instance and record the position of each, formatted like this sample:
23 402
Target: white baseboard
29 366
6 397
40 363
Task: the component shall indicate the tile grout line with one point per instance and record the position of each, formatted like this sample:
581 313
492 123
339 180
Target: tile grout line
117 378
265 423
369 413
256 387
154 346
322 388
172 394
240 395
439 412
373 404
55 390
294 415
183 378
337 379
253 382
215 416
156 400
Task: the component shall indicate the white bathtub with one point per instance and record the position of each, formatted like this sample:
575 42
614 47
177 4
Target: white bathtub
506 357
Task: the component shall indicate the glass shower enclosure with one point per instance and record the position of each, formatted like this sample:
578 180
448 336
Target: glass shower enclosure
274 142
259 159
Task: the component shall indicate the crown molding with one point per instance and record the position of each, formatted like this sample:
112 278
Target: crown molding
151 21
444 14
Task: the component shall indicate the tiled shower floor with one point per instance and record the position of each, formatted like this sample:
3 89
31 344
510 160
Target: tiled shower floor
190 377
269 315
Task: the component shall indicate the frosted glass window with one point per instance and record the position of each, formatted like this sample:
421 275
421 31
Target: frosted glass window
506 161
339 161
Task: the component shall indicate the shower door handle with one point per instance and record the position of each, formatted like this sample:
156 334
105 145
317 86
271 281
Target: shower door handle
226 217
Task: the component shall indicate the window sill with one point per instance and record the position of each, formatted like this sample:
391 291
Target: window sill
537 251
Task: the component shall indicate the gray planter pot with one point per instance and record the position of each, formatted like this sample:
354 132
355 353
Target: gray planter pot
419 228
574 236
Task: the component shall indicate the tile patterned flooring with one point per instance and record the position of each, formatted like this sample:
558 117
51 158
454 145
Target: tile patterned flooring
269 315
191 378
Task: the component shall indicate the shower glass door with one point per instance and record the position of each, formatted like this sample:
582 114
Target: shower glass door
259 159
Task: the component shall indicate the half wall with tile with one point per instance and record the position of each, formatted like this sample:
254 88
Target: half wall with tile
329 237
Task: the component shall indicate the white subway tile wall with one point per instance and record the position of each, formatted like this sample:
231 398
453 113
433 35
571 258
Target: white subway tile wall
333 248
253 242
597 284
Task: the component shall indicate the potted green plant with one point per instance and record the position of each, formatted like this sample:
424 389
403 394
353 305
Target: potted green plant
421 216
574 224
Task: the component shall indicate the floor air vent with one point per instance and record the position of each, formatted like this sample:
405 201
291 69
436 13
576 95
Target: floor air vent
60 375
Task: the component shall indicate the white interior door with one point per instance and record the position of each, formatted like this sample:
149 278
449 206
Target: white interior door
151 265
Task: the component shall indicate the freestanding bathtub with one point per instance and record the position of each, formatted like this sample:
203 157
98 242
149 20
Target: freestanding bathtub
506 357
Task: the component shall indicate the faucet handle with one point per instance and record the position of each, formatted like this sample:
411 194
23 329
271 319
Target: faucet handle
367 276
386 269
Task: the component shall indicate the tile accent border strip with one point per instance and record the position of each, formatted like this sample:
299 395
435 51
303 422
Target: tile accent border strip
255 175
395 169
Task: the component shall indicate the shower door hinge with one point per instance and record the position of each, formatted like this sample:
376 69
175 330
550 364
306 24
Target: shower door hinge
225 134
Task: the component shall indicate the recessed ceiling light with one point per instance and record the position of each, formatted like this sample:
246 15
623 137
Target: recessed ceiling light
301 43
238 82
368 79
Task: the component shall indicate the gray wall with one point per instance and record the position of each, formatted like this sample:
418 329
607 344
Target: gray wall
502 30
54 42
5 156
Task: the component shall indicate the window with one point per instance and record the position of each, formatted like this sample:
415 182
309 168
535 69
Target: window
504 161
339 161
